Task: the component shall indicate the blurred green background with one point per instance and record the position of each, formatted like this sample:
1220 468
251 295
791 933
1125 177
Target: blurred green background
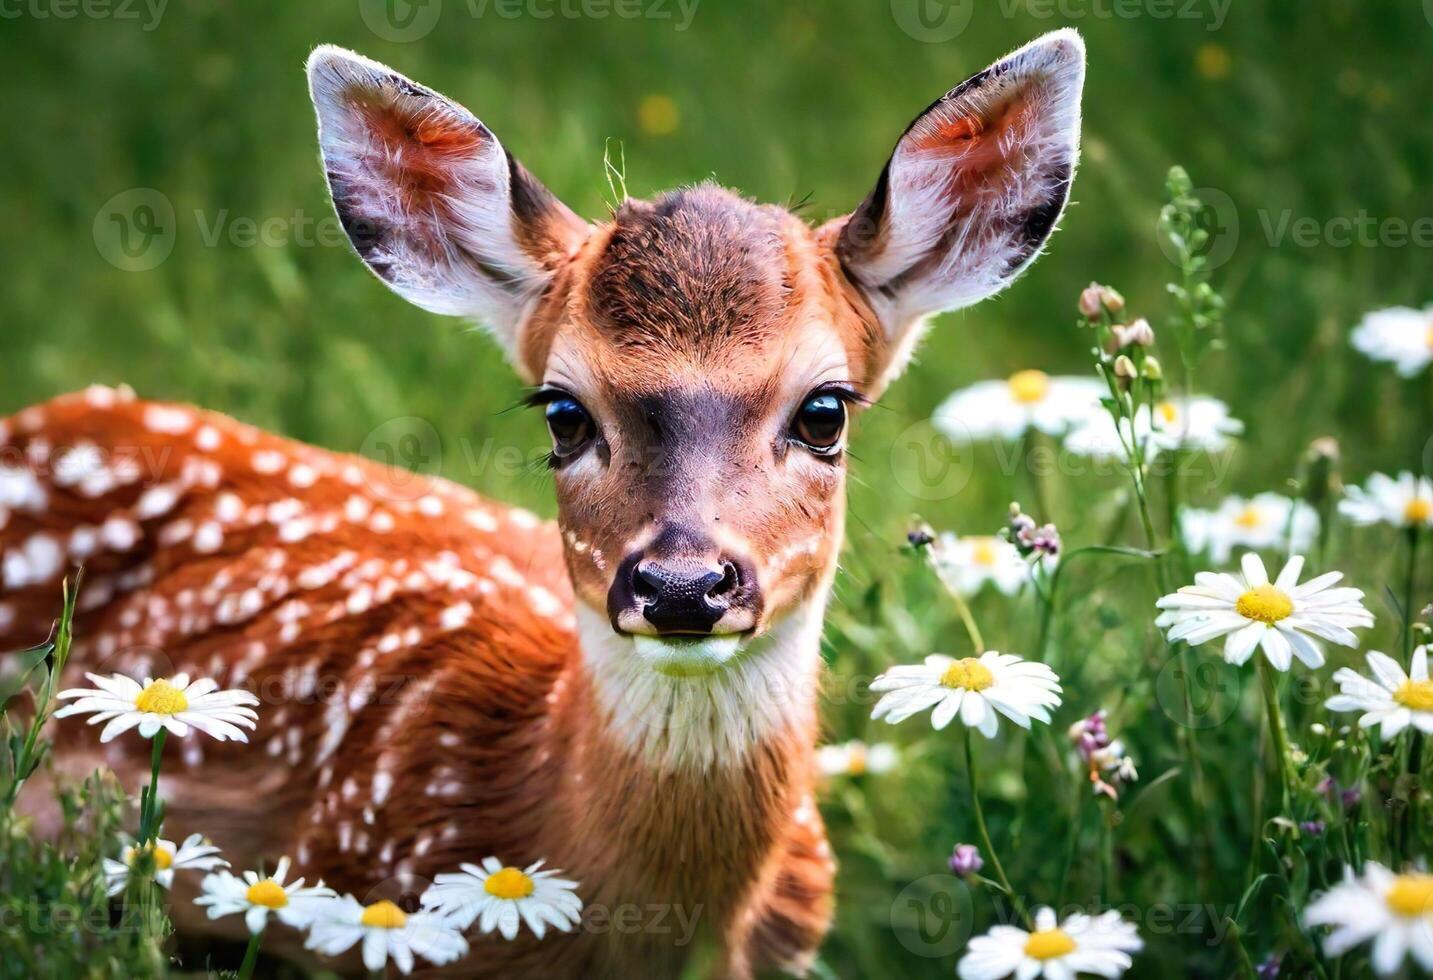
1316 110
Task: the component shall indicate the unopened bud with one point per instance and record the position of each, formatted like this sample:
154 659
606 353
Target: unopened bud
1152 369
1322 481
1124 368
1136 334
1091 300
966 860
1112 300
920 536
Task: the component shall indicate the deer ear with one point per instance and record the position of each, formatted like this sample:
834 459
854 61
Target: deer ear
431 201
973 189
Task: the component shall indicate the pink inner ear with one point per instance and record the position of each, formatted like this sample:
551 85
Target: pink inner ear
413 149
979 145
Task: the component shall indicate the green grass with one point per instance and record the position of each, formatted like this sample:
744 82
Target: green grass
1319 113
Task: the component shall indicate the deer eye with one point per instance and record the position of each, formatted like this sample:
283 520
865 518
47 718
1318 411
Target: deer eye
570 425
820 422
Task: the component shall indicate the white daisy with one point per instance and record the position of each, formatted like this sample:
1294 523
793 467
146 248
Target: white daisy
1392 699
856 758
1008 409
174 704
1099 944
1404 502
979 689
1401 336
1282 617
192 855
1395 911
257 897
966 565
385 931
498 896
1260 522
1198 423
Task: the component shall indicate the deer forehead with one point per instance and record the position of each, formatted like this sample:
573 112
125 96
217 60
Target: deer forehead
700 289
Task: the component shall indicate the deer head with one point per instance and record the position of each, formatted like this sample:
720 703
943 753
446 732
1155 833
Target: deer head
699 358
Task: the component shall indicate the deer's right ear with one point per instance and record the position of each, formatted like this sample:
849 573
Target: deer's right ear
972 191
431 201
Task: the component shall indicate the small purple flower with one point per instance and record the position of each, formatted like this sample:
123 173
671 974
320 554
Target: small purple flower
1327 788
966 860
1269 969
1351 798
1314 828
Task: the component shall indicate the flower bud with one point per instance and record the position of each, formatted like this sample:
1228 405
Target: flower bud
1111 299
1090 301
1136 334
1152 369
966 860
1124 368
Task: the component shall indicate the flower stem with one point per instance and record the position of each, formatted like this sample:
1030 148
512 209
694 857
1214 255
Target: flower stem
251 956
1276 726
966 617
1410 591
149 805
985 833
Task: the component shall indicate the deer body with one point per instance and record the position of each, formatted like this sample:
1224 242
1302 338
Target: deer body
629 694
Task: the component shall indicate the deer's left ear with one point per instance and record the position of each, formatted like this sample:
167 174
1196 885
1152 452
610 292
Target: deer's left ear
432 202
972 191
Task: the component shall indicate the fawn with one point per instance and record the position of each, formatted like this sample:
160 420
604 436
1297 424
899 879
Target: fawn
629 693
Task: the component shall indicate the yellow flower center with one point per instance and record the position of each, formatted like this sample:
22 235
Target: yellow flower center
163 859
856 761
1048 944
1418 510
1411 895
1249 517
270 895
1169 412
161 698
384 915
1029 387
1417 695
969 673
1430 335
509 883
1265 604
983 552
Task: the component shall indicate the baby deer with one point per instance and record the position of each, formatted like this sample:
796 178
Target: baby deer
630 693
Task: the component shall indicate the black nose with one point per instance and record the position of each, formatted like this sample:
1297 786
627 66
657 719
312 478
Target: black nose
684 596
682 582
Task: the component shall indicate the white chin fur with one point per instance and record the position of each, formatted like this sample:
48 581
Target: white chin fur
703 702
687 656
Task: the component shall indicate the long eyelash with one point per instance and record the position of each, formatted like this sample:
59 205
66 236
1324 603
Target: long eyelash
845 391
544 395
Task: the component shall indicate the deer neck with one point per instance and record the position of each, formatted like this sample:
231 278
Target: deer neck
681 789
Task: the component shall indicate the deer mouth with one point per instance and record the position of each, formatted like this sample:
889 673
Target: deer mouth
688 656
